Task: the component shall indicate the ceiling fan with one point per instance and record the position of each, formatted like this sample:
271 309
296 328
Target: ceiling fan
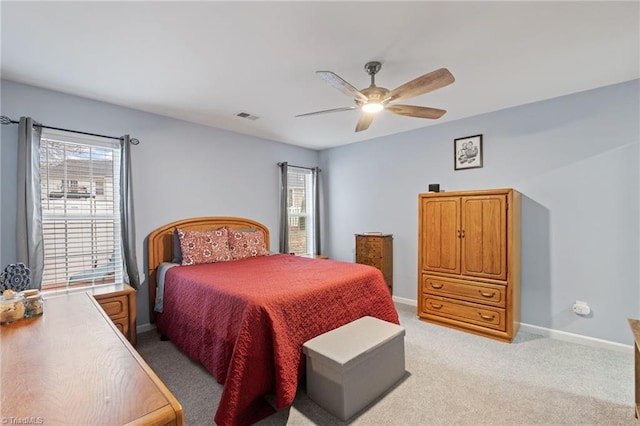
374 99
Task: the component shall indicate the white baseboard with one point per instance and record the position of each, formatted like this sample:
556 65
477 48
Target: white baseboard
404 301
576 338
145 327
553 334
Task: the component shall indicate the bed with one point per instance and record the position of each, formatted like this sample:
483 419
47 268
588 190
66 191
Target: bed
245 320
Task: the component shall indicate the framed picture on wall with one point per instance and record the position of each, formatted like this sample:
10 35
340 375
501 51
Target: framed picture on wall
467 152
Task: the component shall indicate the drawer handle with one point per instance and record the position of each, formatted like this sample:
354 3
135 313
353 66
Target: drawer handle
488 295
435 306
436 286
487 317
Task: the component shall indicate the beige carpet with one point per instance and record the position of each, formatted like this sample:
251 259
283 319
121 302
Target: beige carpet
453 378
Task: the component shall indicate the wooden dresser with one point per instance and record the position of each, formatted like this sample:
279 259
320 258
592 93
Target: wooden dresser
469 261
72 366
377 251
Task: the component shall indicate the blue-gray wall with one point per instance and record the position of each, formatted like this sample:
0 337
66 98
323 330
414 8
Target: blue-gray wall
575 160
180 169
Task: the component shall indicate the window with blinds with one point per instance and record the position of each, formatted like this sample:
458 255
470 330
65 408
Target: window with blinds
300 204
80 196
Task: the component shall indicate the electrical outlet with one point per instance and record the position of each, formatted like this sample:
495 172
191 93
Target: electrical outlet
581 308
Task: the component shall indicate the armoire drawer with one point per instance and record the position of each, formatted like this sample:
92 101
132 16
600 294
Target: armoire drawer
486 316
486 294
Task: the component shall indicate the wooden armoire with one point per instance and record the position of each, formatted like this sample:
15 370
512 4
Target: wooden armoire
469 261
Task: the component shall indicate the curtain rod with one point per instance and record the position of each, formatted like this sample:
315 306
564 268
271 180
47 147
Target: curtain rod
7 120
299 167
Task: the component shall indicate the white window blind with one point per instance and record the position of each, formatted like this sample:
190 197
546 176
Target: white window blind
300 204
80 195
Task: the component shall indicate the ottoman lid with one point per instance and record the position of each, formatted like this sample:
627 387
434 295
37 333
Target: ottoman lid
344 344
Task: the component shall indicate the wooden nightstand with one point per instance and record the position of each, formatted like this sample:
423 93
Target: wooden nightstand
314 256
119 302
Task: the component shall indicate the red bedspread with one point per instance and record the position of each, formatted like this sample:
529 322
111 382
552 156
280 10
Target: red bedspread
246 321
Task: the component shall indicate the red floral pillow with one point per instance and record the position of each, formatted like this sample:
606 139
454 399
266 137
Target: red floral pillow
246 244
204 246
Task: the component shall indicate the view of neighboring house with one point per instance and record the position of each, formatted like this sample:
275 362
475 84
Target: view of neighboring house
77 193
300 211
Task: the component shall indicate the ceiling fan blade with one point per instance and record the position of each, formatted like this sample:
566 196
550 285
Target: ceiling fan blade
365 121
416 111
421 85
328 110
336 81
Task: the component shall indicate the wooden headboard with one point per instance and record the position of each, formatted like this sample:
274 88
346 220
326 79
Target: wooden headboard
161 243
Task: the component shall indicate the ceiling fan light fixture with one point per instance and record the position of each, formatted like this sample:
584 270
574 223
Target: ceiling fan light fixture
373 99
372 107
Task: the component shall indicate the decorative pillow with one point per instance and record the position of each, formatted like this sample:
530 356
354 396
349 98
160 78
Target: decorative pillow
204 246
177 251
245 243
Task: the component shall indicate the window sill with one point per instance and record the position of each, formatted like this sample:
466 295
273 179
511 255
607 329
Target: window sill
94 291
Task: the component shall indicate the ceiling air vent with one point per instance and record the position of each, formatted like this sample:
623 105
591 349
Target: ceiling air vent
247 116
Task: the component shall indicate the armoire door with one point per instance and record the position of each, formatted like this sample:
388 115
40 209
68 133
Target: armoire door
484 236
440 230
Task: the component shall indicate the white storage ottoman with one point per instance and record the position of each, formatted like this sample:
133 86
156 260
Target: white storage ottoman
349 367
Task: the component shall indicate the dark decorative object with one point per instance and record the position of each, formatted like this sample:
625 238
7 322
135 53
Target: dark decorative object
16 277
434 187
467 152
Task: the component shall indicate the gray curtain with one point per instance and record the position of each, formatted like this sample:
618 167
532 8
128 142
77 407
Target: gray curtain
284 211
127 221
316 208
29 208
